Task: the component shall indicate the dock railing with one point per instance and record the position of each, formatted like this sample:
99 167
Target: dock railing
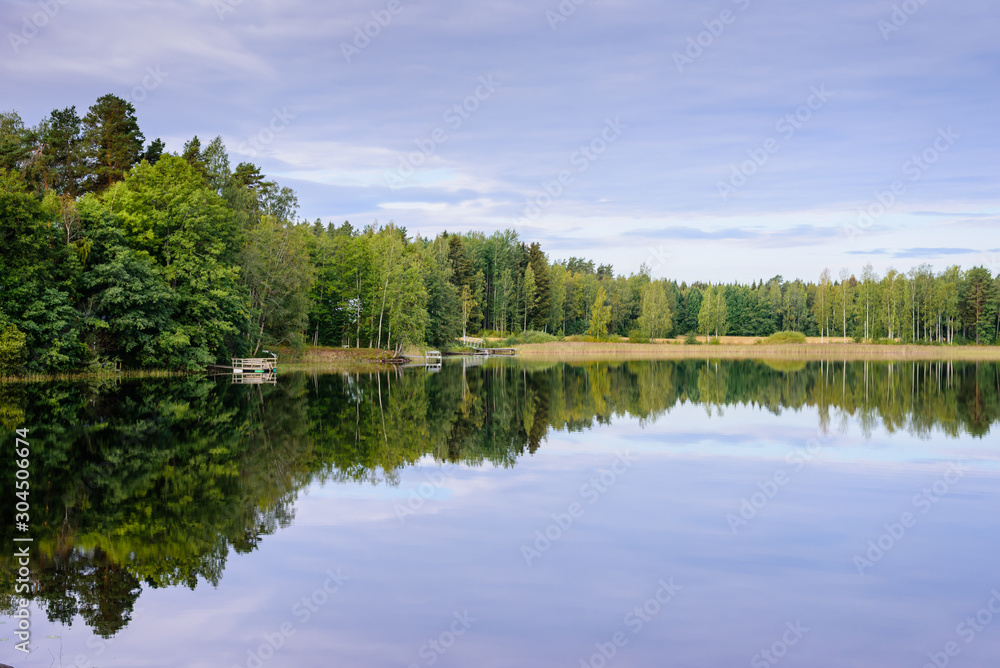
253 364
509 352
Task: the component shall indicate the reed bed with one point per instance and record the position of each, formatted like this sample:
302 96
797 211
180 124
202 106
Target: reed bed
811 351
108 374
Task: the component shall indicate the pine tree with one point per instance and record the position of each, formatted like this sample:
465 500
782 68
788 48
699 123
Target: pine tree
112 142
62 151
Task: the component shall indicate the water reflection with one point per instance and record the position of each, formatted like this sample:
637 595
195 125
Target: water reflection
157 482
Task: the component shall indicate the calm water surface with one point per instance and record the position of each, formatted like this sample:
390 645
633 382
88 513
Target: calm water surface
604 514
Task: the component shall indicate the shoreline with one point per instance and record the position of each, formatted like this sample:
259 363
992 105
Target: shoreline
341 360
360 360
574 351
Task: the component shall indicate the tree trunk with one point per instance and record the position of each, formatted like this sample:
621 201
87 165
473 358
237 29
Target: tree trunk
385 289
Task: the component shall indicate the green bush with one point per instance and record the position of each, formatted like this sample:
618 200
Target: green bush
715 341
529 336
782 338
636 336
12 349
691 339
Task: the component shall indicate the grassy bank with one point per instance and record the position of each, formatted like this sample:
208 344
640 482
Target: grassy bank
350 360
103 374
566 350
320 358
334 359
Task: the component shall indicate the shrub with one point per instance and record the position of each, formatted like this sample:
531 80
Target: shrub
636 336
12 349
529 336
783 338
715 341
691 339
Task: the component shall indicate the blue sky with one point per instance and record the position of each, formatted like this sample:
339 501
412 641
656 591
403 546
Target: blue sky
728 140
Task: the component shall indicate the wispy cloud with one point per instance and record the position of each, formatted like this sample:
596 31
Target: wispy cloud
356 120
916 253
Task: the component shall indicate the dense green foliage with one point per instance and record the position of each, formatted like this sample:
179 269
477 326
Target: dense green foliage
115 253
784 338
157 482
111 250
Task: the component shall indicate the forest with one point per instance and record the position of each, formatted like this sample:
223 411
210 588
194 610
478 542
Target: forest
117 252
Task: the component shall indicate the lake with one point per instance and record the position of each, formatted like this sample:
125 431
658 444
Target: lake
506 513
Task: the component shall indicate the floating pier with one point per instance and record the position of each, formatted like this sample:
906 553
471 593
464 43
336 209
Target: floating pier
250 370
486 352
254 364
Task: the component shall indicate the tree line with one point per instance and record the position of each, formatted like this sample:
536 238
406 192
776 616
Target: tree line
114 251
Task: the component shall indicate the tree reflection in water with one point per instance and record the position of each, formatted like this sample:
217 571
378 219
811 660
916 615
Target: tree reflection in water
155 482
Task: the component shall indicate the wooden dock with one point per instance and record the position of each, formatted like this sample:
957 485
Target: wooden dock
486 352
248 370
254 365
431 361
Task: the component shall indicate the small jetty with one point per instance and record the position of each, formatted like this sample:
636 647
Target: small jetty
431 361
251 370
479 348
254 365
487 352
